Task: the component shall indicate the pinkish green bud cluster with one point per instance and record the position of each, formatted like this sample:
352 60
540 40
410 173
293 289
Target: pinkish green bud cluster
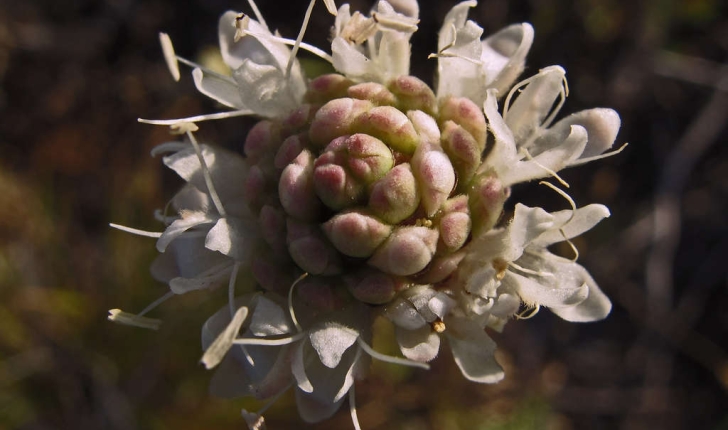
369 187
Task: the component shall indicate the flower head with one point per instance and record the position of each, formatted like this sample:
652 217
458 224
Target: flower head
366 193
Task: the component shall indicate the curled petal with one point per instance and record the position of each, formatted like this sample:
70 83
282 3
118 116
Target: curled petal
422 344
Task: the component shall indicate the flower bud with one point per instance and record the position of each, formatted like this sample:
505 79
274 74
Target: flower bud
395 197
426 127
335 119
464 152
391 126
273 228
255 187
288 151
413 94
435 176
296 190
407 251
320 293
350 163
371 286
355 233
468 115
261 140
374 92
298 119
310 250
327 87
441 267
487 197
455 223
271 273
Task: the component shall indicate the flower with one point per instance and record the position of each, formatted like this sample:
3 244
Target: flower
366 193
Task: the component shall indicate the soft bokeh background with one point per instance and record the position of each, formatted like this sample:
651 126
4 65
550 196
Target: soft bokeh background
77 73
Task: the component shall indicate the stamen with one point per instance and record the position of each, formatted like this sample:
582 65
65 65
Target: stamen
206 70
224 341
231 288
155 303
549 171
198 118
169 57
242 22
261 341
331 7
290 302
206 174
563 194
389 359
571 244
581 161
138 232
303 45
533 313
258 15
121 317
562 99
531 272
352 408
294 51
273 399
399 23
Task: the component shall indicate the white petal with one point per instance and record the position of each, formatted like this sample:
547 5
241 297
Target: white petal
403 314
394 55
408 8
572 224
459 71
535 102
533 292
602 126
181 225
313 410
349 61
596 306
298 367
473 351
504 152
269 318
210 278
421 345
224 91
232 237
331 342
504 55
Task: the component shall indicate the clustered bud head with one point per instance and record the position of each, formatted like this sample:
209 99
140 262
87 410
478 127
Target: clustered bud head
365 192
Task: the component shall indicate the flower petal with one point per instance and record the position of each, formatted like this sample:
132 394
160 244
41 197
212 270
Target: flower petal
504 55
421 345
224 91
331 342
473 350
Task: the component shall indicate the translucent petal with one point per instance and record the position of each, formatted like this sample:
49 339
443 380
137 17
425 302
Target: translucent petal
504 56
535 102
181 225
473 350
403 314
572 224
313 410
422 344
232 237
224 91
331 342
535 293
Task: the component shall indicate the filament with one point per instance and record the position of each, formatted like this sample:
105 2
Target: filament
136 231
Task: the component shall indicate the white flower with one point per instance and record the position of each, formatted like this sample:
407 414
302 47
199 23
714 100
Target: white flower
365 193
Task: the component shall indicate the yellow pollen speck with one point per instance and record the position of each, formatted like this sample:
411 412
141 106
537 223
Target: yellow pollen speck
500 266
424 222
438 326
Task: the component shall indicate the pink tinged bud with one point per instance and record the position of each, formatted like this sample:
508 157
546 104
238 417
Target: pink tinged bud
413 94
298 119
406 252
441 267
335 119
296 190
391 126
463 150
272 275
255 187
320 293
356 234
487 196
374 92
425 125
272 223
288 151
372 286
435 176
327 87
311 251
463 112
395 197
261 141
349 163
455 223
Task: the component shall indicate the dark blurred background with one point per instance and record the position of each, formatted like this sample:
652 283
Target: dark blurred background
75 76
